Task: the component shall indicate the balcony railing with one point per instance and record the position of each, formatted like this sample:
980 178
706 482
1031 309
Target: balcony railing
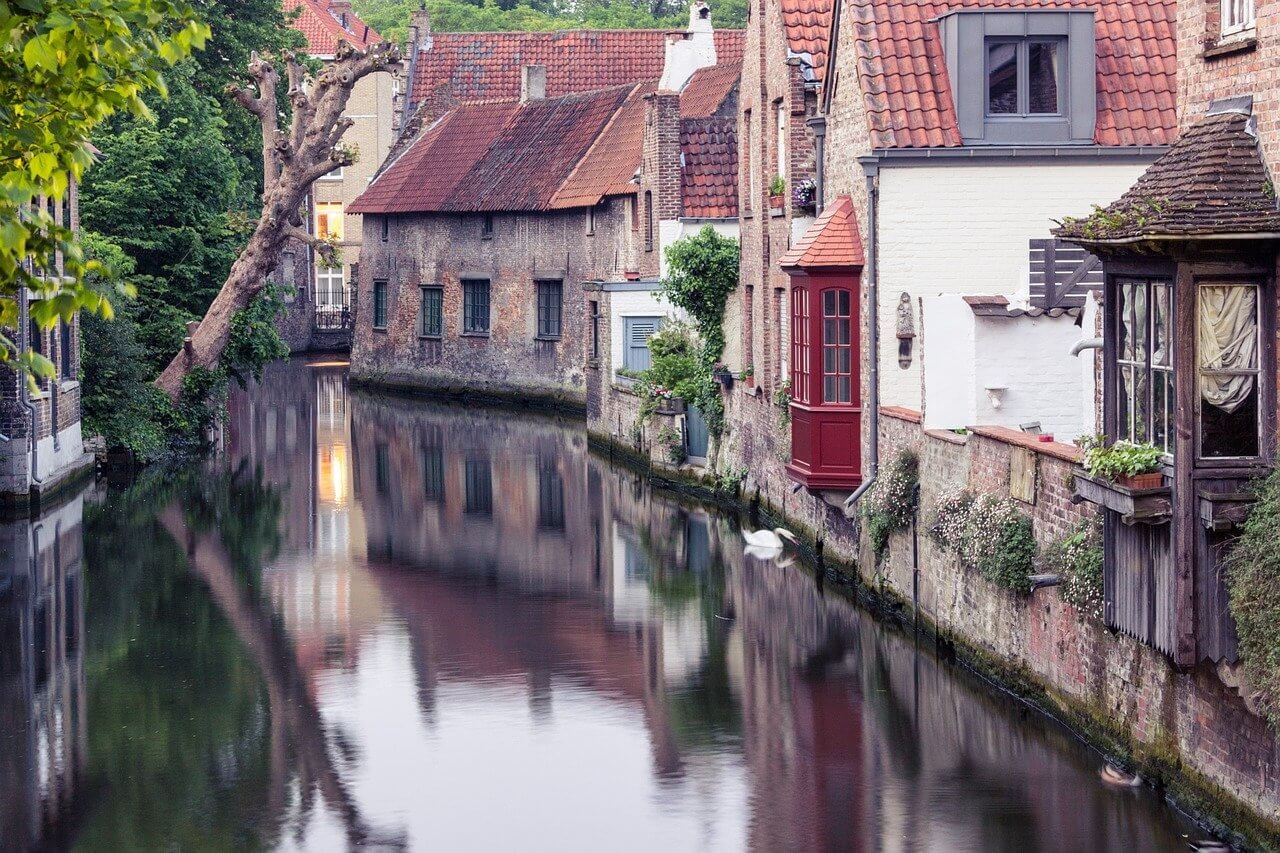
332 318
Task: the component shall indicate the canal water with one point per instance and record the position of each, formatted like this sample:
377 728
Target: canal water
385 623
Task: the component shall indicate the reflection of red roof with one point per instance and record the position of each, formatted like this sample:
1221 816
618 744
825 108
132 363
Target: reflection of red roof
902 69
709 91
709 179
497 156
323 26
832 241
487 66
807 23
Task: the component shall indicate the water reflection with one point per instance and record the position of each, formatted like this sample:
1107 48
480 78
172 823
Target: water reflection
388 623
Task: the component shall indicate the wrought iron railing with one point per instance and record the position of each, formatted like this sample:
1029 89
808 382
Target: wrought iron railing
332 318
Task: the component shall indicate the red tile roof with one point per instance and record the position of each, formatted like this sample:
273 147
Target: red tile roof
709 179
808 23
904 81
496 156
832 241
322 26
486 66
709 89
613 158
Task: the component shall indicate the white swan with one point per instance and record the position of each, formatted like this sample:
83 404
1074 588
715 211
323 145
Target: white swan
768 539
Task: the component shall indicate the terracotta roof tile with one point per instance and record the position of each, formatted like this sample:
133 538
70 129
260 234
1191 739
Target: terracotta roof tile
323 27
1211 181
495 156
474 66
709 178
832 241
613 158
711 90
899 54
808 24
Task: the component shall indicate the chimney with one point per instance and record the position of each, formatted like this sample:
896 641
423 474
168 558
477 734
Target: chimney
533 83
688 51
420 28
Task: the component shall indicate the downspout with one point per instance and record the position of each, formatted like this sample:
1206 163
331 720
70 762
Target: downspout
24 394
871 166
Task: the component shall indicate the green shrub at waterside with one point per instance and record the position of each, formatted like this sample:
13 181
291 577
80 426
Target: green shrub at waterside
1253 583
891 502
1077 559
989 534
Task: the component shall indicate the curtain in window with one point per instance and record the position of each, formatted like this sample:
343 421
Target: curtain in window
1228 341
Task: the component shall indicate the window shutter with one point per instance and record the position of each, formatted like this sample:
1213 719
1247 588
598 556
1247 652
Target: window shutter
1062 275
638 332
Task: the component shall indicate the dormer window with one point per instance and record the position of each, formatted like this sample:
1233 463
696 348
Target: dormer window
1024 77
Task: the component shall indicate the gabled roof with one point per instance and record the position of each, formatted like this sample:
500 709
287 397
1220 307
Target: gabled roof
808 25
323 26
709 177
1212 181
487 66
711 90
903 74
503 156
832 241
612 160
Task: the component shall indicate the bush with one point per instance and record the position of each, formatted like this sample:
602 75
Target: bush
1122 459
891 502
989 534
1077 559
1253 584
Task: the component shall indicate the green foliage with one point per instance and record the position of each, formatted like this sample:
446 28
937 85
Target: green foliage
988 534
777 186
671 439
890 504
255 339
1253 584
1122 459
68 66
1077 559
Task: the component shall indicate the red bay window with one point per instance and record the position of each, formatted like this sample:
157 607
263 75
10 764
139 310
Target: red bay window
825 267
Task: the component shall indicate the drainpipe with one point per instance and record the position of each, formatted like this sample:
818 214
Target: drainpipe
24 393
871 166
1086 343
818 124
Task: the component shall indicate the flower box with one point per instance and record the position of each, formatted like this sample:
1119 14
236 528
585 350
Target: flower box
1143 482
670 406
724 376
1146 505
777 201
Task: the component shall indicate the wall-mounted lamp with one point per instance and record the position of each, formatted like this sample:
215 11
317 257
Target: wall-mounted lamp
995 395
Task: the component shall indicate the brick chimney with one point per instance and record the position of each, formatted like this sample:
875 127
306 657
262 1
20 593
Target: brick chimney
660 172
533 83
420 28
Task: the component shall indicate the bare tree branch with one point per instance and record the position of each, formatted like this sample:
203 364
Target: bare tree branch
323 248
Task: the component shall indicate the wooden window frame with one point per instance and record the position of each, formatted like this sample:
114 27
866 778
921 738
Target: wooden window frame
550 317
471 290
1266 375
435 292
1117 363
381 288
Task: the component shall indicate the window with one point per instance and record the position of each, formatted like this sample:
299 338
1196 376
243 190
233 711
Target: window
549 308
749 166
591 220
837 364
1144 362
333 175
1237 16
475 306
431 314
486 227
66 350
781 118
648 221
594 306
550 496
331 288
478 482
380 303
385 228
1023 77
1228 370
329 220
800 344
637 331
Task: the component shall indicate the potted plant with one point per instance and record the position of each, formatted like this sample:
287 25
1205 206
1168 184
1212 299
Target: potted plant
1133 465
748 375
777 192
667 401
722 374
805 195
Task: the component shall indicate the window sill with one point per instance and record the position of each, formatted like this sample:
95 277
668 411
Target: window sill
486 236
68 385
593 363
1230 45
430 337
475 334
775 212
552 338
382 329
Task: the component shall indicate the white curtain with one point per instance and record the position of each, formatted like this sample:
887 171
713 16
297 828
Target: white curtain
1228 340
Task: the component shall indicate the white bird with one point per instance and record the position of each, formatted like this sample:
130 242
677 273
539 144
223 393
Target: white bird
768 539
1113 775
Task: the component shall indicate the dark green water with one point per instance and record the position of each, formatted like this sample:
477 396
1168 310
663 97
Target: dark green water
389 624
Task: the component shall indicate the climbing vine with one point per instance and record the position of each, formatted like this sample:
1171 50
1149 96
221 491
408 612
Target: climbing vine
1253 583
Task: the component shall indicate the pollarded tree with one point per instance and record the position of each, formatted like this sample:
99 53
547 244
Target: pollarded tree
294 156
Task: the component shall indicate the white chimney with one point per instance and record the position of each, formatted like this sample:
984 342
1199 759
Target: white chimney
690 50
533 83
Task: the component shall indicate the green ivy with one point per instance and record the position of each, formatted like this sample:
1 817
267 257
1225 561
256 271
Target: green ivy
1253 584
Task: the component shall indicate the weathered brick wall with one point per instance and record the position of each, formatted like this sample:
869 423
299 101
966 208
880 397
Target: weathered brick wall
443 249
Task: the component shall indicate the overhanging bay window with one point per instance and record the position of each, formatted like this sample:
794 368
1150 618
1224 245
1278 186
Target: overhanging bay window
826 396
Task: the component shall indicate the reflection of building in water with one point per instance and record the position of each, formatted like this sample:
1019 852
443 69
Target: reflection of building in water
42 694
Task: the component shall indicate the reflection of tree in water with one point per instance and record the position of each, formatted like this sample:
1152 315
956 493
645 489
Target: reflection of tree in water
188 601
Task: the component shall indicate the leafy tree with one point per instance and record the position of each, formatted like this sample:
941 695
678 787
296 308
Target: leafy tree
67 66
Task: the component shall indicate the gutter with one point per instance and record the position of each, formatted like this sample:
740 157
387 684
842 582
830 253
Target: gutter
1178 238
1024 152
871 166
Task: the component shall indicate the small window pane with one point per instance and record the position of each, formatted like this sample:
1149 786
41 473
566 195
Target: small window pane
432 316
379 304
1002 78
1042 77
475 306
1161 351
549 309
1227 343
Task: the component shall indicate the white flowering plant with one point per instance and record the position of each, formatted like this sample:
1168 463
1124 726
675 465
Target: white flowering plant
1077 559
891 503
989 534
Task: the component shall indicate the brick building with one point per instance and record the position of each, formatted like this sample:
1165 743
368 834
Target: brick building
1189 359
318 297
41 447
